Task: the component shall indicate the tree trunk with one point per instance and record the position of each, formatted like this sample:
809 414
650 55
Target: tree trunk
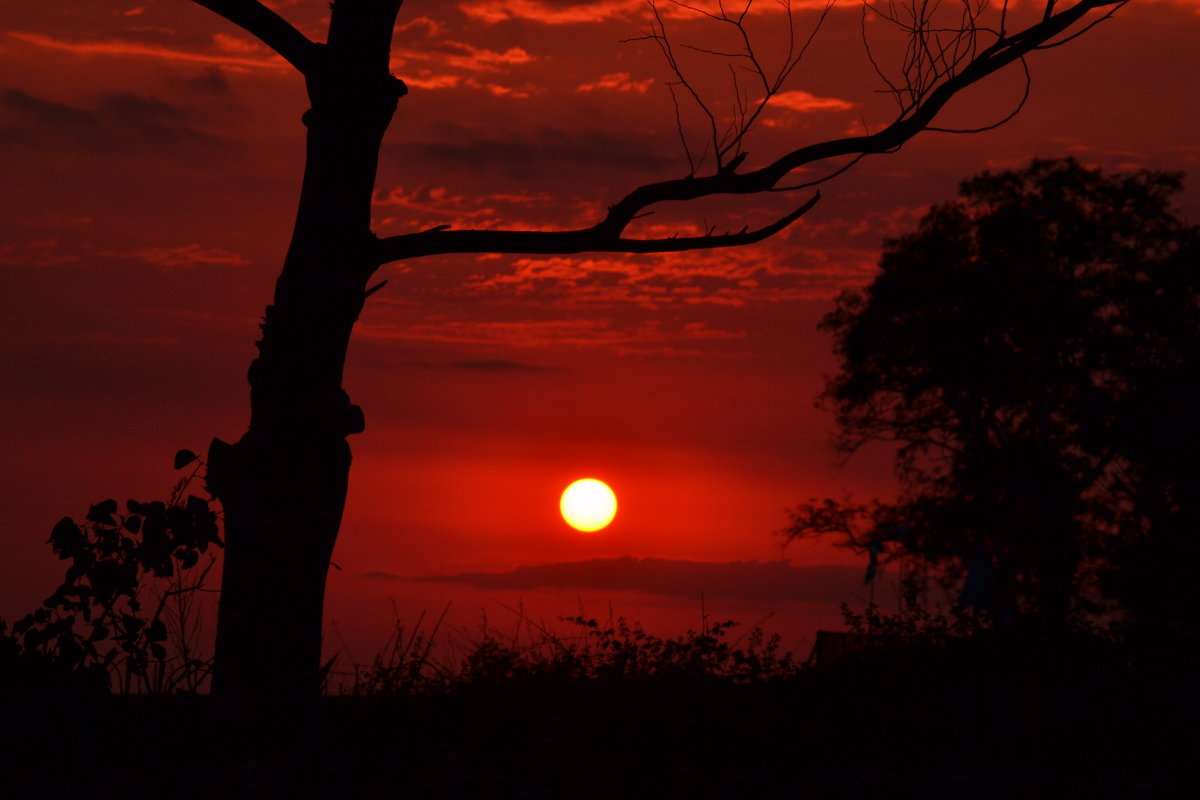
283 485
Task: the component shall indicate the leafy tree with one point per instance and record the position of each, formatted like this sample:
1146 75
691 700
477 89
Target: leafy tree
283 484
1031 351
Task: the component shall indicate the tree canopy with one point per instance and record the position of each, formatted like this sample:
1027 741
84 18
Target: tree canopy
1030 351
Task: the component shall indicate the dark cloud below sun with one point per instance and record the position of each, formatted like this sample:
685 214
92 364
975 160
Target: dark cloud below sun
750 581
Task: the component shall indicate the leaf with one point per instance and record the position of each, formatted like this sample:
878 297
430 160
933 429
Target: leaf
187 558
157 631
132 524
185 457
66 538
102 513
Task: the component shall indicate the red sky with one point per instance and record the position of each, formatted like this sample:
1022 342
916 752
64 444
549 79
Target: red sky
151 155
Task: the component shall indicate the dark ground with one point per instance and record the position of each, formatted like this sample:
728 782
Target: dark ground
1029 724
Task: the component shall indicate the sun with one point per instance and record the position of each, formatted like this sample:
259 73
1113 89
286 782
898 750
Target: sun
588 505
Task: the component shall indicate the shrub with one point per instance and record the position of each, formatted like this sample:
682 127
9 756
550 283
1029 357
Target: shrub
126 616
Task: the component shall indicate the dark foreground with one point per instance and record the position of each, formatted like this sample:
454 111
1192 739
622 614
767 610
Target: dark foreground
1029 724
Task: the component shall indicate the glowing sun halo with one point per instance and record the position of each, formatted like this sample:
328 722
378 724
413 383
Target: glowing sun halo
588 505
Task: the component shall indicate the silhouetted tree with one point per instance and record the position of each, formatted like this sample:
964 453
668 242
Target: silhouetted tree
1033 351
283 484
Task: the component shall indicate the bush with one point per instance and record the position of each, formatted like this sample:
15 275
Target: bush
125 618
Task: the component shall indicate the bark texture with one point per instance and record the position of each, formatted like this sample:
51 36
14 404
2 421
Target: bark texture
283 484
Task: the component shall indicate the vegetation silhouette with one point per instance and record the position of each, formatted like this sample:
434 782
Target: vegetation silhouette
932 708
283 485
933 704
127 617
1032 351
620 652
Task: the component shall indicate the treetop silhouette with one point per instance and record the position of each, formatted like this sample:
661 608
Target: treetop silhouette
1031 351
283 484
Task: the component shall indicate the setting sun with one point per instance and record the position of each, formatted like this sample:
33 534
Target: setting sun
588 505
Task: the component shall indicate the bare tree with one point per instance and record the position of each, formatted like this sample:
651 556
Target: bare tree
283 484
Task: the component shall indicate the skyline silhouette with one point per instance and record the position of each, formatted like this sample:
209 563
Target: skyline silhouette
520 244
687 379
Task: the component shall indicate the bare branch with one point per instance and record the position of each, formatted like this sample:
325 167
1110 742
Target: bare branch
658 34
728 136
687 151
276 32
992 126
931 89
823 179
597 239
1084 30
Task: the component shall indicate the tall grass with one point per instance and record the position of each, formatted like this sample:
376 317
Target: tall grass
415 661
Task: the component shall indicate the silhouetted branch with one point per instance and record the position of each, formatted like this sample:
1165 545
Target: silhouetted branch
367 294
603 238
927 92
992 126
1084 30
728 142
276 32
917 117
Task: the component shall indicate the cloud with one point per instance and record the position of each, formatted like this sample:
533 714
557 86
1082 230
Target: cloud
480 58
460 55
502 366
803 102
621 336
551 13
739 278
537 150
425 206
567 12
190 255
428 80
121 121
237 45
445 64
751 581
210 80
121 47
36 253
424 27
617 82
517 333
